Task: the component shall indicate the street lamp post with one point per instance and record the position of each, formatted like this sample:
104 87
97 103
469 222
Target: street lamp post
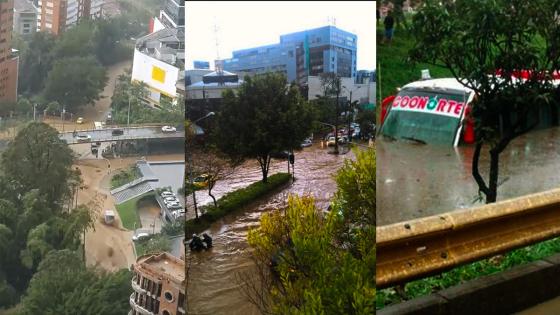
350 108
62 115
191 167
337 82
128 115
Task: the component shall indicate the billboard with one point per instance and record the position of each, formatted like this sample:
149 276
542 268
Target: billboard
158 75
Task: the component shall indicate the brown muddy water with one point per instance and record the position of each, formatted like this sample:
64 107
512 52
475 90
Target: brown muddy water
416 180
214 284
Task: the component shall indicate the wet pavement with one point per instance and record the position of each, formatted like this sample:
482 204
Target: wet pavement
415 180
214 276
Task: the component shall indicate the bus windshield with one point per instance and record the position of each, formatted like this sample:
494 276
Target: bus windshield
425 116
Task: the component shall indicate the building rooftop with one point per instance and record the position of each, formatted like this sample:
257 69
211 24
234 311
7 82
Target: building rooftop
24 6
166 45
163 264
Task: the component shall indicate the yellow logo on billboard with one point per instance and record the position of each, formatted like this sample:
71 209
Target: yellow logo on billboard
158 74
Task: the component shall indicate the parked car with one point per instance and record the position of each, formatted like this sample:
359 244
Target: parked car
117 132
140 236
170 199
175 205
168 129
177 215
306 143
167 194
83 138
80 120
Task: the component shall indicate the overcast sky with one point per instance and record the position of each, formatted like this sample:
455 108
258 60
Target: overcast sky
249 24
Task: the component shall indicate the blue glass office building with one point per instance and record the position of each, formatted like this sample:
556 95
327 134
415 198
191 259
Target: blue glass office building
301 54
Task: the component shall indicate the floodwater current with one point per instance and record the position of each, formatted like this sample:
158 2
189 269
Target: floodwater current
214 276
415 180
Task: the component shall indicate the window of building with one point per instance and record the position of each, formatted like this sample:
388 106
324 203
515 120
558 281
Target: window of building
166 312
168 296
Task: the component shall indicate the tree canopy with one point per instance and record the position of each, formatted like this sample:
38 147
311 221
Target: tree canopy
75 289
36 159
33 222
264 116
314 263
75 82
485 44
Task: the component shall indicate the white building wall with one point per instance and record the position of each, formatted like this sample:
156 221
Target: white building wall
96 8
150 70
158 26
364 93
72 12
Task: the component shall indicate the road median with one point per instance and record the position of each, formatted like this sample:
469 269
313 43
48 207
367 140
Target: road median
234 201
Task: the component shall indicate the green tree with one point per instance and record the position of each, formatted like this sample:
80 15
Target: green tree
320 264
157 244
331 85
265 116
35 63
474 39
53 108
75 289
108 40
76 41
366 119
75 82
311 274
36 159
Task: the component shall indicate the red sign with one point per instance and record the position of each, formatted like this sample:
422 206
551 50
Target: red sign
425 104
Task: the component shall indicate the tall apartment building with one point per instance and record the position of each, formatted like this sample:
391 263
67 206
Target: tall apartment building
90 9
55 16
25 17
173 13
8 60
300 54
159 286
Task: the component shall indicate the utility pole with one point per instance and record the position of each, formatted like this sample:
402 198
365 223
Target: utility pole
63 112
128 115
349 120
337 83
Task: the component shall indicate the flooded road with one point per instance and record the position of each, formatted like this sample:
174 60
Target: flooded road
415 180
214 286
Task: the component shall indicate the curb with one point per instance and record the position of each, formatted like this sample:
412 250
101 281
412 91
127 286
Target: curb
505 292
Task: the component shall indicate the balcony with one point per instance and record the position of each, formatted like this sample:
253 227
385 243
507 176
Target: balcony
136 287
139 308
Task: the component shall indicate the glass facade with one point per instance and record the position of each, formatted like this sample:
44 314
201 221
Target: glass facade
311 52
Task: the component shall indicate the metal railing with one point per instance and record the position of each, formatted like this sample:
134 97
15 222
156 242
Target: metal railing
423 247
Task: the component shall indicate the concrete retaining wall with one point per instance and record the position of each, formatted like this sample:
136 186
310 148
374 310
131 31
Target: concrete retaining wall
503 293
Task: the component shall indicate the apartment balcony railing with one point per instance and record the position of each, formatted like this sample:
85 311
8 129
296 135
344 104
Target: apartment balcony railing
139 308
